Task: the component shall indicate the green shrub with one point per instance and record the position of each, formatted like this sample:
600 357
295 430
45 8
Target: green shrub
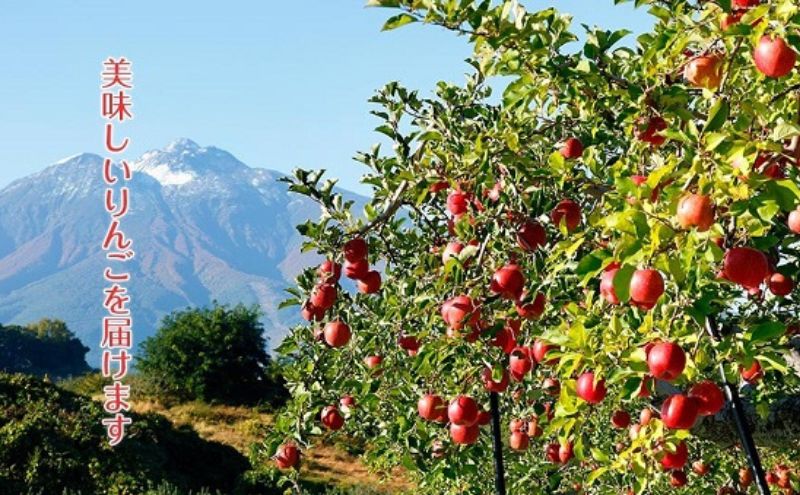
212 354
46 347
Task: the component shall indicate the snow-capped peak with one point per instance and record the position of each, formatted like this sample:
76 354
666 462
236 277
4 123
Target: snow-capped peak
183 161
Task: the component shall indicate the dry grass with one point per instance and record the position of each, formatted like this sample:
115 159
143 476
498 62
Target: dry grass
241 427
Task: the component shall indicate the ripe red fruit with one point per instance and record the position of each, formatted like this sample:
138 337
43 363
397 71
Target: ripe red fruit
516 425
645 416
355 249
620 419
729 20
287 456
677 479
607 283
794 221
696 210
679 412
531 235
504 338
329 271
644 387
508 281
539 351
336 333
648 130
457 203
646 287
347 402
431 407
370 283
745 266
745 477
356 269
484 418
588 390
745 4
780 285
451 251
773 57
409 343
311 312
533 309
518 441
752 374
565 452
572 148
464 434
700 468
373 362
551 453
438 186
323 296
463 411
666 361
704 71
551 386
460 311
332 418
494 386
677 459
709 397
569 211
519 363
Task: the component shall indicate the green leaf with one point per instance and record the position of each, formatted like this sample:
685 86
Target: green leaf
622 282
767 331
397 21
717 116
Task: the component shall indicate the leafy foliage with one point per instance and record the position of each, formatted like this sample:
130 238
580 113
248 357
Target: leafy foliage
650 136
211 354
46 347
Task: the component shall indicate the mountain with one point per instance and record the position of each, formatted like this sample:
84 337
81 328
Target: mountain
205 227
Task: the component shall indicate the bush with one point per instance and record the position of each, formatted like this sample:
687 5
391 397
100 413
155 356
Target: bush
212 354
52 441
46 347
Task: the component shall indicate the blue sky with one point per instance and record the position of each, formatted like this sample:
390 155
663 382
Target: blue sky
277 83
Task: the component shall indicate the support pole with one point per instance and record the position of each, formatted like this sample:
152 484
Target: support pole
497 444
732 395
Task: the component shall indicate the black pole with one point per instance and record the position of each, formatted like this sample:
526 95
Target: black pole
497 444
732 394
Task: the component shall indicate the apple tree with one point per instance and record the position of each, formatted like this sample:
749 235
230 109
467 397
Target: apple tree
559 229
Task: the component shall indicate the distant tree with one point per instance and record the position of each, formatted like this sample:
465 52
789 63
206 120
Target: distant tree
46 347
213 354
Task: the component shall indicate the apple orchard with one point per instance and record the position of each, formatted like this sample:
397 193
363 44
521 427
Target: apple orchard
557 229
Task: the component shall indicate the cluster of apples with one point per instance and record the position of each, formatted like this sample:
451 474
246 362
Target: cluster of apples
463 414
750 268
646 286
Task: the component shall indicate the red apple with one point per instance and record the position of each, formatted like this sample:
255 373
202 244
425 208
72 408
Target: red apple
709 397
494 386
438 186
463 411
519 363
457 203
431 407
773 57
569 211
700 468
679 412
696 210
508 282
504 338
311 312
518 441
677 459
647 286
355 249
752 374
373 362
648 130
677 478
332 418
329 271
531 235
356 269
704 71
666 361
287 456
409 343
794 221
745 266
347 402
572 148
451 250
620 419
731 19
565 452
531 309
484 418
551 386
551 453
370 283
336 333
590 390
323 296
607 283
780 285
644 387
745 4
460 311
539 351
464 434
